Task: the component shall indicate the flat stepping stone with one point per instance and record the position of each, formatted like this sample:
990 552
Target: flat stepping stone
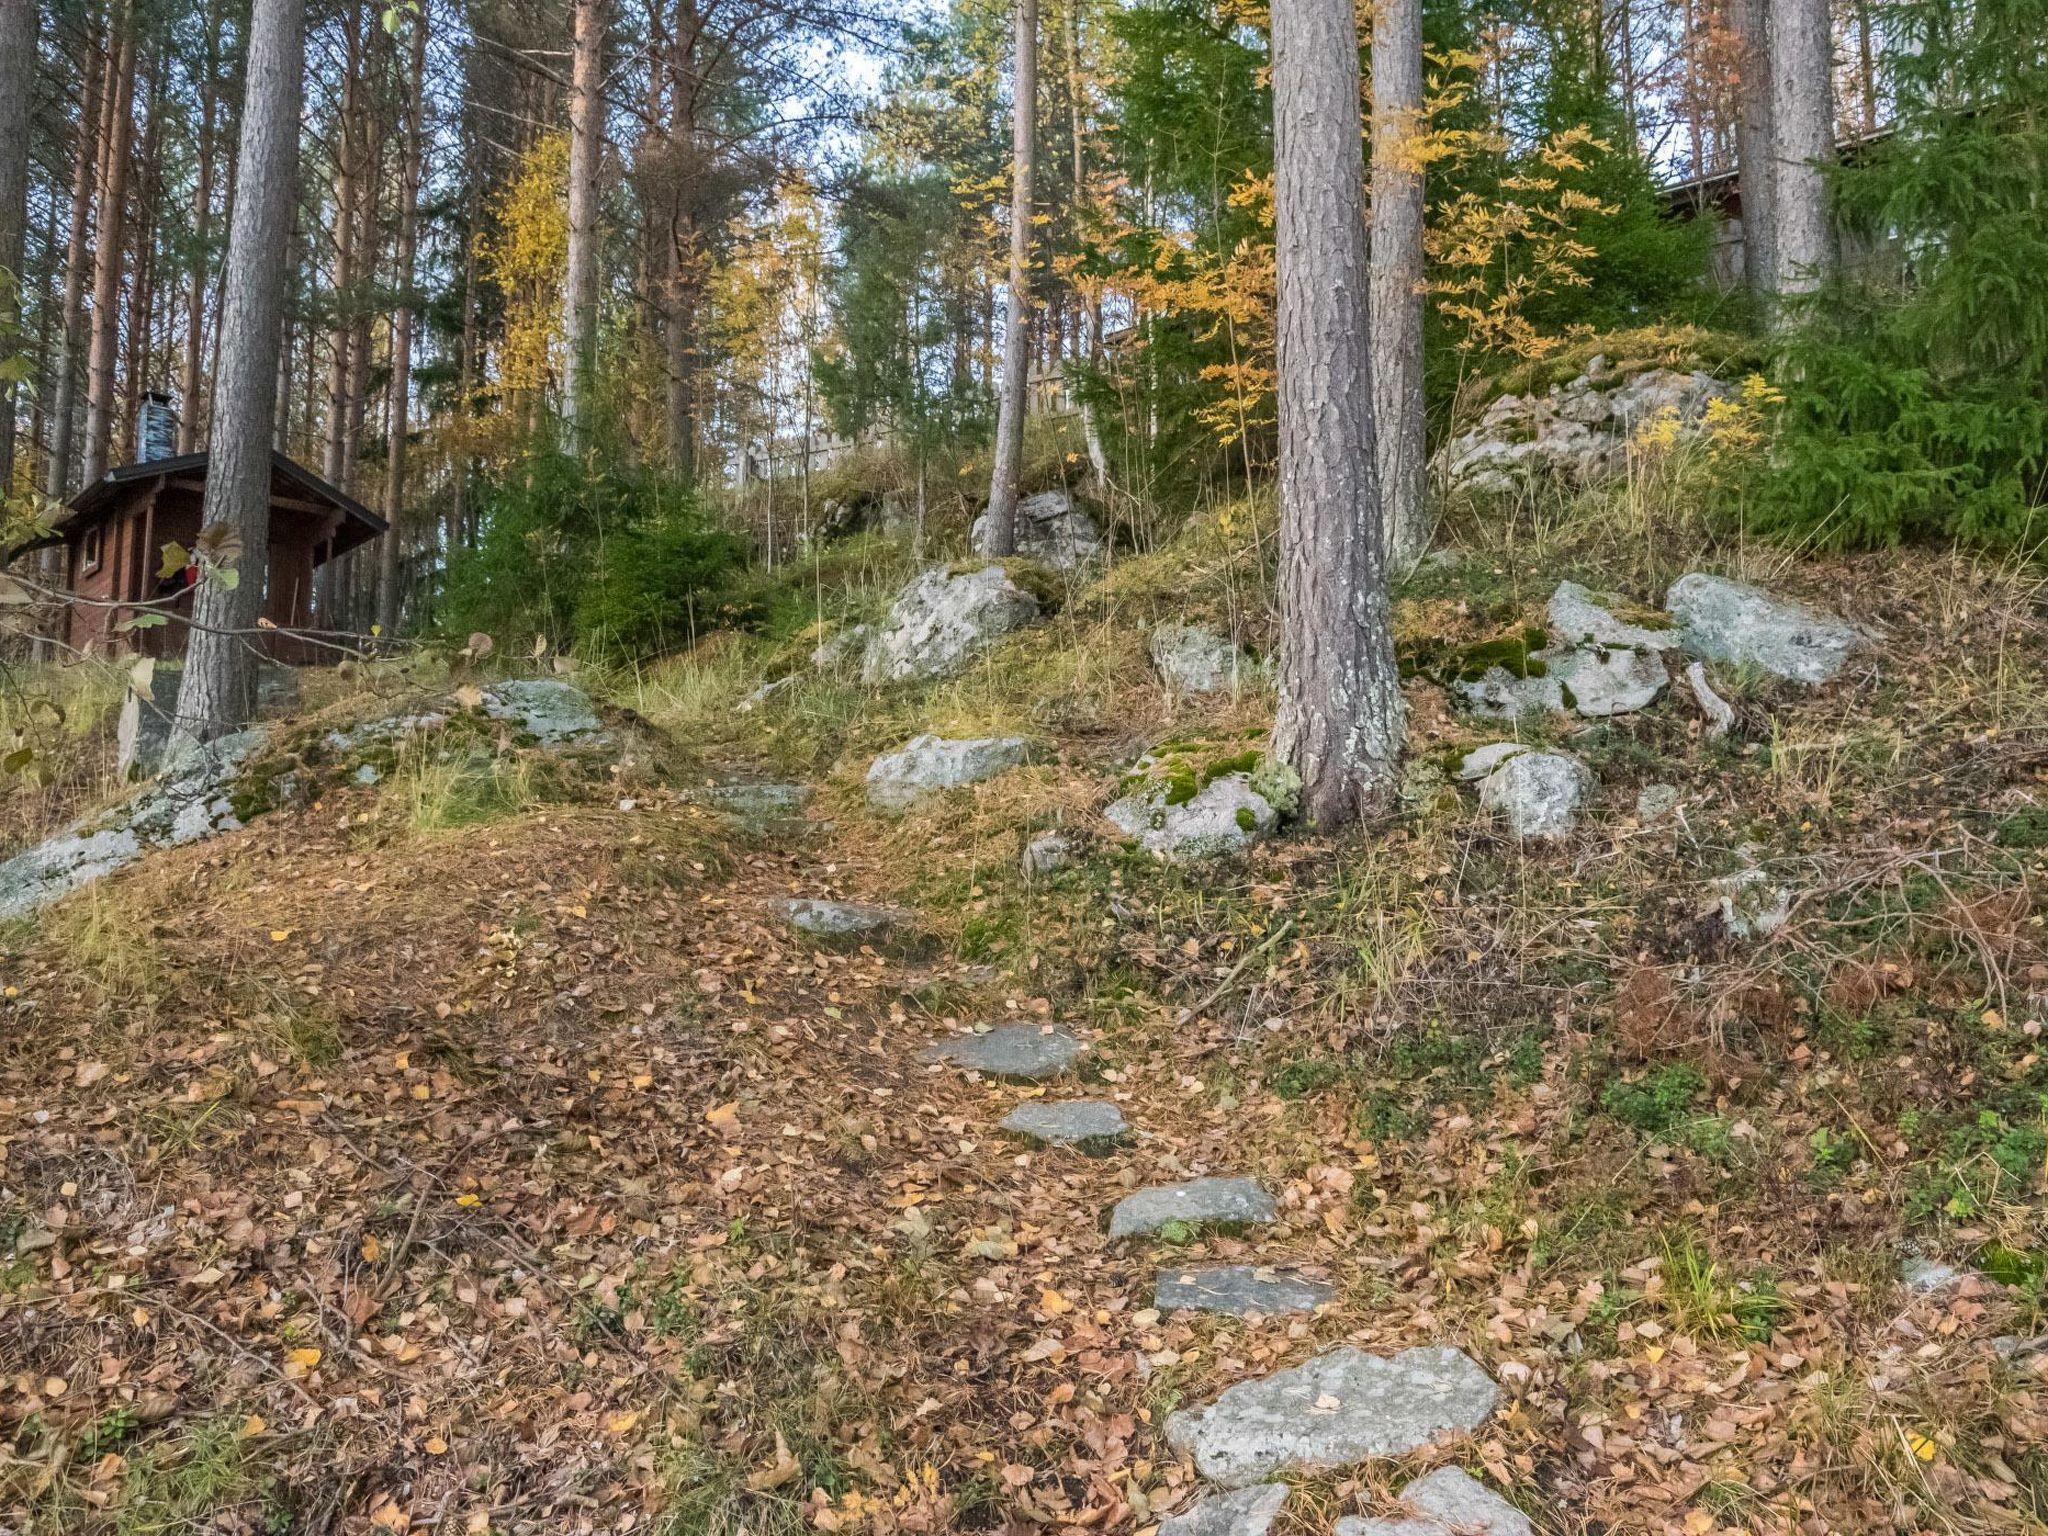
1195 1203
1239 1290
1448 1502
1241 1512
757 801
1026 1052
1335 1409
1065 1124
839 919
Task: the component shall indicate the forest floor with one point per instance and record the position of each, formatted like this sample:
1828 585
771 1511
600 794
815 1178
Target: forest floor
507 1164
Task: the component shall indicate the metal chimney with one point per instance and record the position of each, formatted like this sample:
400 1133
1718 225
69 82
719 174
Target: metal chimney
157 431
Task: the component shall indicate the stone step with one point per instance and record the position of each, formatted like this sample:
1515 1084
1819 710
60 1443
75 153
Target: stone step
1337 1408
1241 1512
842 920
1023 1052
1240 1290
1448 1502
1067 1123
1195 1203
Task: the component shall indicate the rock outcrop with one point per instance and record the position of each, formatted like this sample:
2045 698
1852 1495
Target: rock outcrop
191 803
1448 1502
1576 434
942 619
1052 530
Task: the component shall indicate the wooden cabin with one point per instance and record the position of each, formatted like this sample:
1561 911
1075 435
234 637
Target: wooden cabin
116 529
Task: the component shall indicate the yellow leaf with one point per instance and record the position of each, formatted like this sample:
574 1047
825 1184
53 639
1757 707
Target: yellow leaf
1054 1303
623 1423
1922 1447
253 1426
300 1361
387 1516
422 1091
371 1249
436 1446
723 1116
469 1200
1654 1353
279 935
643 1080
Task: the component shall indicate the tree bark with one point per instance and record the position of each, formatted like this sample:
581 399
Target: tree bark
107 253
1751 23
85 156
17 79
579 287
217 691
1803 143
389 604
189 384
999 534
1341 717
1396 298
1091 430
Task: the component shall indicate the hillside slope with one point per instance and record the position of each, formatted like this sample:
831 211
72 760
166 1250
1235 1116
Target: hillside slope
494 1154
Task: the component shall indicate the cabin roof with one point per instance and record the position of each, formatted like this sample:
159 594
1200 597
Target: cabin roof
358 526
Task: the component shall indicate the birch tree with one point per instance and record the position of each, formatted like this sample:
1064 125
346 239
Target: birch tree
217 690
999 536
1341 719
1397 280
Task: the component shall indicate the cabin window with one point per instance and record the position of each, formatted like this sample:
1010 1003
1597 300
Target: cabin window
89 552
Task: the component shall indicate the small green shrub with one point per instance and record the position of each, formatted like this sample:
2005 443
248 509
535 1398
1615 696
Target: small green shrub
1653 1104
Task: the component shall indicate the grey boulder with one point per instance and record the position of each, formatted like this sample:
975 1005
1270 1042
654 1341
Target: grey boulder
1448 1502
1227 815
1335 1409
1600 681
1068 1123
927 764
1023 1052
1195 660
1537 794
1197 1202
1051 529
1578 618
1732 621
1238 1290
1237 1512
941 620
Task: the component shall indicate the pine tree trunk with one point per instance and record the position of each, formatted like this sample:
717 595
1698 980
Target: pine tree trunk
1803 143
64 388
1341 718
999 534
17 79
579 288
1396 309
189 385
1751 21
399 408
217 692
1091 430
107 254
